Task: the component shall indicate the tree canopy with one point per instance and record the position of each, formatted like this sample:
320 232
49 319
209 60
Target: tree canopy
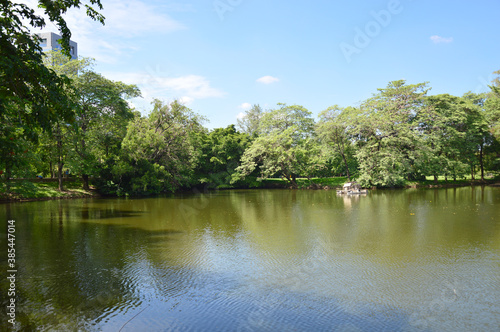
57 115
37 92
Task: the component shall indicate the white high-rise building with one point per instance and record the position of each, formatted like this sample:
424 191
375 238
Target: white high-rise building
49 43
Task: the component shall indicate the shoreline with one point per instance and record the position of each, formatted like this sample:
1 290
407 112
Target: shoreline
92 193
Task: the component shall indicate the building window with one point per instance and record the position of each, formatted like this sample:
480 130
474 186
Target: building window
43 42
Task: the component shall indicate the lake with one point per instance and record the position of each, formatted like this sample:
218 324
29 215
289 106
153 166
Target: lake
259 260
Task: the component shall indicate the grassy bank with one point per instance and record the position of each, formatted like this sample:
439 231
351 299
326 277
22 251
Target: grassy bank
37 190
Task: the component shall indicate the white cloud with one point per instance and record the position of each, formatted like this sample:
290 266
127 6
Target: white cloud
267 79
124 20
132 18
240 115
245 106
438 39
185 100
192 85
186 88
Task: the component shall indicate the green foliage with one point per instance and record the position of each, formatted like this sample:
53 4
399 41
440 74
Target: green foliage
158 152
333 131
102 114
456 130
250 122
386 130
221 151
38 93
398 136
492 115
286 145
492 108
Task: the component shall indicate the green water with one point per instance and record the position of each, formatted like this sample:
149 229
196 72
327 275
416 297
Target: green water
258 260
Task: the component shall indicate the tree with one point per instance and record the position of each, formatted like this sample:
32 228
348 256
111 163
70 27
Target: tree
387 134
38 92
160 151
60 131
478 137
333 130
286 145
456 133
102 113
249 124
13 148
493 107
221 151
445 136
100 102
492 114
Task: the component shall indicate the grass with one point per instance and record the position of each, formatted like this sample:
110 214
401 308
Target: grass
28 190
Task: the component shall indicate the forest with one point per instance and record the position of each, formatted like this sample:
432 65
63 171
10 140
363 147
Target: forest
400 134
61 119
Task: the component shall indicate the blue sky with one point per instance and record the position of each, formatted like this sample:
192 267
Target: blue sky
222 56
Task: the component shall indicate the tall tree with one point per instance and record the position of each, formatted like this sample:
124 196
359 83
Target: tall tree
249 123
492 114
286 145
100 101
387 134
221 151
60 131
333 129
445 130
160 150
478 136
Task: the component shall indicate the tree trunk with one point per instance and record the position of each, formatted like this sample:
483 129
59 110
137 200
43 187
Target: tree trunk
85 180
83 153
346 168
60 165
60 162
292 179
481 162
8 174
472 171
435 179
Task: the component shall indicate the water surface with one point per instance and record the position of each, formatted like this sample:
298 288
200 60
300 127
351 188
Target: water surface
260 260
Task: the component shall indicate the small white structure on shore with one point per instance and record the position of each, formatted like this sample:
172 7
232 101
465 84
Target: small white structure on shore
352 188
